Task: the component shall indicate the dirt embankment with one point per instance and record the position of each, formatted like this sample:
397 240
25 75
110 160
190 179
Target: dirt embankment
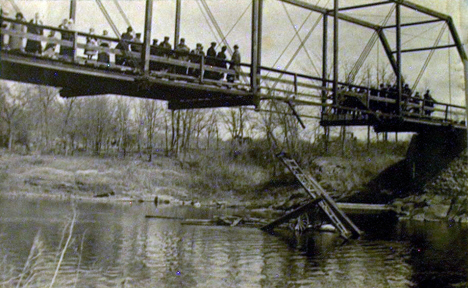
210 181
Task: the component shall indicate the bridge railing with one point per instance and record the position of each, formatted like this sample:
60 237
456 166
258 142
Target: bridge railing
175 64
352 106
163 62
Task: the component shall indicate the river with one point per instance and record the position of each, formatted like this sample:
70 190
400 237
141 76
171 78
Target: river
114 245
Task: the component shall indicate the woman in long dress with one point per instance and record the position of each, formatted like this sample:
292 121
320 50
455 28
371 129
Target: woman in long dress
16 42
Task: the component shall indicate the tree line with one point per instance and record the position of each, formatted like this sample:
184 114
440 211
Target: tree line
36 118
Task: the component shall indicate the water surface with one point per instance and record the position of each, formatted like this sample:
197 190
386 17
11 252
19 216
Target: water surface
114 245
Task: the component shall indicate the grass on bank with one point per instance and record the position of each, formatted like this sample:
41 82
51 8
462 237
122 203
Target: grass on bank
249 173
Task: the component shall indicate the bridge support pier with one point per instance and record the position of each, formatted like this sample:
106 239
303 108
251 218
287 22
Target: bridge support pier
429 152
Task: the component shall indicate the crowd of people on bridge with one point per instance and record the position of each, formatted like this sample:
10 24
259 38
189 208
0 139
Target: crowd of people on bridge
412 103
129 44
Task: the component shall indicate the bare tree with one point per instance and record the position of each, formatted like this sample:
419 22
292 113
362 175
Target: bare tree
152 111
67 131
122 115
235 120
43 109
97 117
13 100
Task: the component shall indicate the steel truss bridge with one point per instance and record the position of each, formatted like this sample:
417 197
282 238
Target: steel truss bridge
184 79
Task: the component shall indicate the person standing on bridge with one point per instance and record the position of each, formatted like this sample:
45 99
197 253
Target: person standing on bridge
67 51
182 52
91 43
16 42
49 50
153 52
166 51
211 60
428 104
63 26
128 36
124 47
138 44
103 56
166 45
34 46
235 65
221 61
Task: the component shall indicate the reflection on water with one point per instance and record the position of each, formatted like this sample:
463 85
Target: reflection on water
115 246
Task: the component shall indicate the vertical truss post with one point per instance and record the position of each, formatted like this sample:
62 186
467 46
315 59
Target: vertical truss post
145 52
295 85
177 22
73 10
202 68
259 41
254 48
335 51
324 62
75 46
398 44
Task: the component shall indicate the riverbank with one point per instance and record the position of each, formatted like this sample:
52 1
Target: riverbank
209 180
443 199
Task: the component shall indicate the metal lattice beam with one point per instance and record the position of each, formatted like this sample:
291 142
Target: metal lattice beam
324 11
364 5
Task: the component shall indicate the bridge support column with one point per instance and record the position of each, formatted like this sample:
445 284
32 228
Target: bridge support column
73 10
177 22
324 62
398 46
254 48
145 52
335 51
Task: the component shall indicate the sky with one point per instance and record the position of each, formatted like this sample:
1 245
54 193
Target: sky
279 31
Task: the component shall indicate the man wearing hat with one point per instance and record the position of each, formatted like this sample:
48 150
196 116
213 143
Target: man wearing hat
235 64
182 52
166 49
195 57
221 60
165 44
211 60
